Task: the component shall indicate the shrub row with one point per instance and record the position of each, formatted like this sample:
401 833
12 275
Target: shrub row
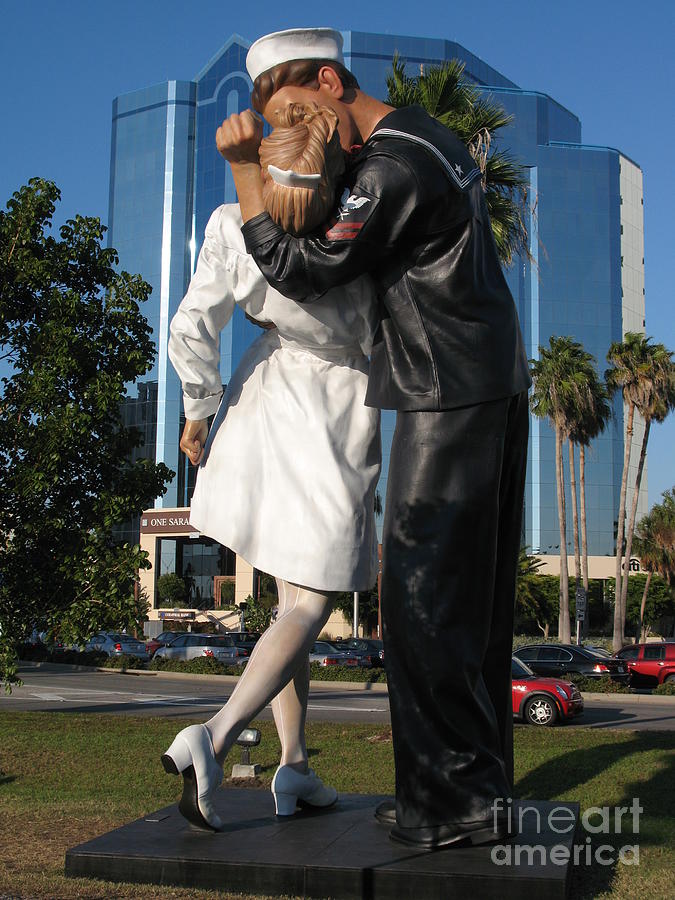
603 685
209 666
39 653
122 662
203 665
347 673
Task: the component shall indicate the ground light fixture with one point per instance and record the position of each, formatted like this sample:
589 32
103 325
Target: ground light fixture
249 737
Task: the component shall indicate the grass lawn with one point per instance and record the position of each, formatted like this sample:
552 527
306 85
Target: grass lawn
66 778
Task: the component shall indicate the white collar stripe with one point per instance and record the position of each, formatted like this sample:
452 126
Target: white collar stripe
461 182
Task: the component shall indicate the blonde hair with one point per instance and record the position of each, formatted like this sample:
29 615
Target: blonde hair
306 141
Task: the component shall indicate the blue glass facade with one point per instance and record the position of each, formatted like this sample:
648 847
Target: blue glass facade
150 225
167 177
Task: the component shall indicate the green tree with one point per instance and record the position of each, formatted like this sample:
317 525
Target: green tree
536 595
171 590
447 95
227 593
71 337
560 394
654 543
645 374
258 611
368 606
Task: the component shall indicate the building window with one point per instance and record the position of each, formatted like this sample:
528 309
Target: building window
198 561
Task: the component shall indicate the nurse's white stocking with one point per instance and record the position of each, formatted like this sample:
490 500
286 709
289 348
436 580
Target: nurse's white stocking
280 655
290 704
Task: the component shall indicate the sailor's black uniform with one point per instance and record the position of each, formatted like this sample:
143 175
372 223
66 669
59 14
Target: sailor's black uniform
449 357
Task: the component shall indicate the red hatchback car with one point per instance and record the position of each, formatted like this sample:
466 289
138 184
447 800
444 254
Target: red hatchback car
650 664
542 701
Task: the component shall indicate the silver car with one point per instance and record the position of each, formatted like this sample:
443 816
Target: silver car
327 654
114 643
192 646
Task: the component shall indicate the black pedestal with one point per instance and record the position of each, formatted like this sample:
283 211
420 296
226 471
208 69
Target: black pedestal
337 853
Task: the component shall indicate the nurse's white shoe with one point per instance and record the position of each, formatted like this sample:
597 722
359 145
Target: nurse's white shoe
192 755
291 788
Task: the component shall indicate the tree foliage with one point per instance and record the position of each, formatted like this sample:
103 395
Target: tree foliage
449 96
171 590
562 378
368 607
71 336
659 604
258 611
644 372
537 597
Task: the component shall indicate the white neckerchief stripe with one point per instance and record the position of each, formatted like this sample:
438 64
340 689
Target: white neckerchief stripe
461 182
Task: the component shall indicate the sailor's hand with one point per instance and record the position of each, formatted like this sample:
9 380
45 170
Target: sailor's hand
193 439
238 138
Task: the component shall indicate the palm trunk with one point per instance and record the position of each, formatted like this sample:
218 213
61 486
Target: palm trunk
641 635
575 514
582 504
619 618
564 597
631 520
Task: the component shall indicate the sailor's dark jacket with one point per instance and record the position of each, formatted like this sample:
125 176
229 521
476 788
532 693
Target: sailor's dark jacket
413 216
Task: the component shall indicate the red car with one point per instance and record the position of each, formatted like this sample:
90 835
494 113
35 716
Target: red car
650 664
162 640
542 701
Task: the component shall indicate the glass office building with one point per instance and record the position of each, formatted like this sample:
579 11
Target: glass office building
585 278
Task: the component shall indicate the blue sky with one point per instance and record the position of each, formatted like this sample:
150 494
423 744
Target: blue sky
609 61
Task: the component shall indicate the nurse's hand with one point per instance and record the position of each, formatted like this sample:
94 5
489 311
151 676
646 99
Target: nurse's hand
238 141
193 439
238 138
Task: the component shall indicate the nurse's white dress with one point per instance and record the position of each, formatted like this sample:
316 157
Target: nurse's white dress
292 460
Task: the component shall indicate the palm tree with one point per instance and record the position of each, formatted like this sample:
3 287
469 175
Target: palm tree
645 373
591 424
560 393
457 103
654 543
647 549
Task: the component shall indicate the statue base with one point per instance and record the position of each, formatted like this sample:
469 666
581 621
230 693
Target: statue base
341 853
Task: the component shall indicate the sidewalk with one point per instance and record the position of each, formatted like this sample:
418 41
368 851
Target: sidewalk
213 679
594 697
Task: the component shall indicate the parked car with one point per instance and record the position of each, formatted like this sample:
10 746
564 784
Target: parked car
162 640
192 646
114 643
364 648
327 654
649 664
561 660
599 651
245 640
542 701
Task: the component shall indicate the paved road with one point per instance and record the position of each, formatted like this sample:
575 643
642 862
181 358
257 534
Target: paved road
157 695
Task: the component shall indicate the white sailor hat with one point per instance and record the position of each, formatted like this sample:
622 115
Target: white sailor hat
292 44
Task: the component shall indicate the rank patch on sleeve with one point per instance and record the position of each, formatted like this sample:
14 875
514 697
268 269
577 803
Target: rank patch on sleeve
355 210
